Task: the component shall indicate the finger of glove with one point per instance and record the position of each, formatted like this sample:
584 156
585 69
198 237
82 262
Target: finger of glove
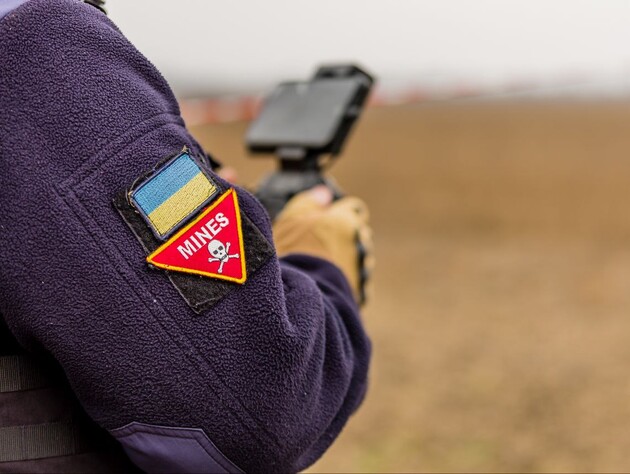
344 218
313 200
352 209
294 229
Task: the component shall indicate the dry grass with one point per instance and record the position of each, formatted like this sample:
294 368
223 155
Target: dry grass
501 307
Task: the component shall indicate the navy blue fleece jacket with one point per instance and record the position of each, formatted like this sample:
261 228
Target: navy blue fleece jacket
268 375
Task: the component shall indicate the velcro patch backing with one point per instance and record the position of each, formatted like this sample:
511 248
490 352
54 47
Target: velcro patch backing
202 292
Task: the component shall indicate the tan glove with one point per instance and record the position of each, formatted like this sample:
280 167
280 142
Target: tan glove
336 231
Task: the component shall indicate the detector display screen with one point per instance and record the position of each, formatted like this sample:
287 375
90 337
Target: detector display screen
304 114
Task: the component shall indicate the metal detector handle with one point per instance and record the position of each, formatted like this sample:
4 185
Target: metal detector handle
278 188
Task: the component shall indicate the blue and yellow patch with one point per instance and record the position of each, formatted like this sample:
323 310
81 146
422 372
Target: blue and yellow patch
172 193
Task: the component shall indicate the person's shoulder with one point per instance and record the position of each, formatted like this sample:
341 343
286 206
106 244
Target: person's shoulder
49 26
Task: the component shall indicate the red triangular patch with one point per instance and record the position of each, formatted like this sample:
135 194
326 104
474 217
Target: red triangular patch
211 245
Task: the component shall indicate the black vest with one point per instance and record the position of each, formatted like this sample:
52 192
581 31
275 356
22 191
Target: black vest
42 426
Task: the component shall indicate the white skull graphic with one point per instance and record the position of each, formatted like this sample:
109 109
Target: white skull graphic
217 250
220 253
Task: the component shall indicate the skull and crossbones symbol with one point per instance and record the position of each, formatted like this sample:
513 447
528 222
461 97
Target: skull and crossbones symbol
220 253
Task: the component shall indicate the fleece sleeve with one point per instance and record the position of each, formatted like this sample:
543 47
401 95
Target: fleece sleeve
264 380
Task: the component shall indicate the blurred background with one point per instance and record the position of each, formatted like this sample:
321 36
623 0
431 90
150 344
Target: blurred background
495 158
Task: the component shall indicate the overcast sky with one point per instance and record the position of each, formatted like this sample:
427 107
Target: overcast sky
249 45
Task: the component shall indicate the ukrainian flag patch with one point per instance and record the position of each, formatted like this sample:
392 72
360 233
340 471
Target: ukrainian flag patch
172 193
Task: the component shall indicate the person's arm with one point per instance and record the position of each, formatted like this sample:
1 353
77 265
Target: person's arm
268 374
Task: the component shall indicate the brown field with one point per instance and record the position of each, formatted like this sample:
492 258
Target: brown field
501 303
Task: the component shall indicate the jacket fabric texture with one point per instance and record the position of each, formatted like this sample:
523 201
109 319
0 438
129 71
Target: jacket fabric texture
269 375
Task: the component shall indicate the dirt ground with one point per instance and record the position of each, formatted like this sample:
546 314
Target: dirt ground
500 314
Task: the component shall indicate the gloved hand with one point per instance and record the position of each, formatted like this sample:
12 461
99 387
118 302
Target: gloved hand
311 223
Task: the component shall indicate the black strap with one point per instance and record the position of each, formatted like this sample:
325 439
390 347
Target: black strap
23 443
100 4
19 372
